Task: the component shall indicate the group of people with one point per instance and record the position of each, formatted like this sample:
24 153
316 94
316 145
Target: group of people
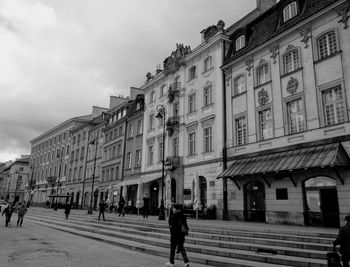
103 206
21 211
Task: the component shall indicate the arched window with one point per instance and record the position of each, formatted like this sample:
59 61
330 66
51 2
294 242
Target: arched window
327 44
290 11
262 74
240 42
239 85
291 61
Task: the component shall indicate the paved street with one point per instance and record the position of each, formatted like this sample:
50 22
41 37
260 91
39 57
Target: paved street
34 245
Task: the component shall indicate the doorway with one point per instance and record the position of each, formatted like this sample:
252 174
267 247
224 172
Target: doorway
154 196
255 209
321 207
173 190
203 189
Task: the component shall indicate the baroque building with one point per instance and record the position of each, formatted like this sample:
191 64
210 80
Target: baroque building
287 115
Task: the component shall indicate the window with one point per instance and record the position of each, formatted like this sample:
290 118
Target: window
208 96
192 144
291 61
82 153
139 127
295 116
130 130
289 11
208 139
152 97
150 154
241 131
327 45
262 74
208 64
281 193
176 109
161 151
128 160
240 42
151 122
120 131
265 121
175 146
333 104
138 158
191 103
162 90
112 173
192 73
239 85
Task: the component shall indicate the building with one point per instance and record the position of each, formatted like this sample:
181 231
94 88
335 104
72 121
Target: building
287 115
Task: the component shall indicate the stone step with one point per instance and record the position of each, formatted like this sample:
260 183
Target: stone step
138 237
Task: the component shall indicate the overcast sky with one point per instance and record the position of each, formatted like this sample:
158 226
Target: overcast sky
61 57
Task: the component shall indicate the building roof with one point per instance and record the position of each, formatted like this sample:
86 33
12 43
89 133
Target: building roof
269 25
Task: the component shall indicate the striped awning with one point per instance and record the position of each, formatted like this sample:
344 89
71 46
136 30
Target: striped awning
325 155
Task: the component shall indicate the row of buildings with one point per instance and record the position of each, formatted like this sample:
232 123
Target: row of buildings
254 121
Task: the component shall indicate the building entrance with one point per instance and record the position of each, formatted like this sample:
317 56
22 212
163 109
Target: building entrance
154 195
322 207
255 208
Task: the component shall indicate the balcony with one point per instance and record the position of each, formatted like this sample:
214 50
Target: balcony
174 91
172 124
171 163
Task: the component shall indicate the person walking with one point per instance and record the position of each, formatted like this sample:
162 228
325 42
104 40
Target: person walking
22 210
178 230
8 213
343 239
102 206
145 210
121 206
67 210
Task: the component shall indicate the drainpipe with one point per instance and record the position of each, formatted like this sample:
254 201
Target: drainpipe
224 149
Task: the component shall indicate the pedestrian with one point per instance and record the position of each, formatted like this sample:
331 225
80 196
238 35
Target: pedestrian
102 208
178 230
22 210
67 210
343 240
145 210
8 213
121 206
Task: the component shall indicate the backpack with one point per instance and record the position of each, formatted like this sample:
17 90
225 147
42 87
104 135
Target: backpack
333 259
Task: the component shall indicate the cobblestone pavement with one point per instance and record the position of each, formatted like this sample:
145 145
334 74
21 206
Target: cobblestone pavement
37 246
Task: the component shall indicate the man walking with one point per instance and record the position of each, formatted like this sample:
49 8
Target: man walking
22 210
146 201
102 206
8 213
178 230
121 206
343 240
67 210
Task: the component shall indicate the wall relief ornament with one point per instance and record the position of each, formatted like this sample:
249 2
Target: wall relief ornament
249 64
177 59
274 51
263 97
292 85
343 13
305 34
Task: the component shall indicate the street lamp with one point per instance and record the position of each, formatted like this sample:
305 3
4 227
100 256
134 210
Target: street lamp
58 180
161 116
93 142
31 184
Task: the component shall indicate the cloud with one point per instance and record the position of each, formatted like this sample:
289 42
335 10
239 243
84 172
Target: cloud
58 58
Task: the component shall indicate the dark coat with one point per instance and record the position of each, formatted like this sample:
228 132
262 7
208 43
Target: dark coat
121 203
343 239
8 210
102 207
22 210
67 209
175 221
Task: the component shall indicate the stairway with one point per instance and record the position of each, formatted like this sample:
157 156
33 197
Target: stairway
215 245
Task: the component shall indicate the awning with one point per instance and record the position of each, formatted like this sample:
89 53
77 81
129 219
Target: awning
325 155
136 181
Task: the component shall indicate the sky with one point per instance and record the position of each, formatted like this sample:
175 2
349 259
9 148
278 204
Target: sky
61 57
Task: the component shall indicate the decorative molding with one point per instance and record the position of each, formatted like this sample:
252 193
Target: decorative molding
343 11
263 97
306 35
176 60
289 47
249 63
274 50
292 85
261 62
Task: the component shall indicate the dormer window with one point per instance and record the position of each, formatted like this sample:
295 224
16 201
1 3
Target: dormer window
290 11
240 42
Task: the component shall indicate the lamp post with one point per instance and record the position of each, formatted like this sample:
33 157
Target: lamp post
31 184
93 142
161 115
58 181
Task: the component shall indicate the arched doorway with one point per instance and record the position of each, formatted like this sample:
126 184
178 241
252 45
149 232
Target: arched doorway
203 189
321 202
255 209
173 190
154 196
77 200
71 198
86 199
95 199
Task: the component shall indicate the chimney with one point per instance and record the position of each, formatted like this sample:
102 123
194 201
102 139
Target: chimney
264 5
